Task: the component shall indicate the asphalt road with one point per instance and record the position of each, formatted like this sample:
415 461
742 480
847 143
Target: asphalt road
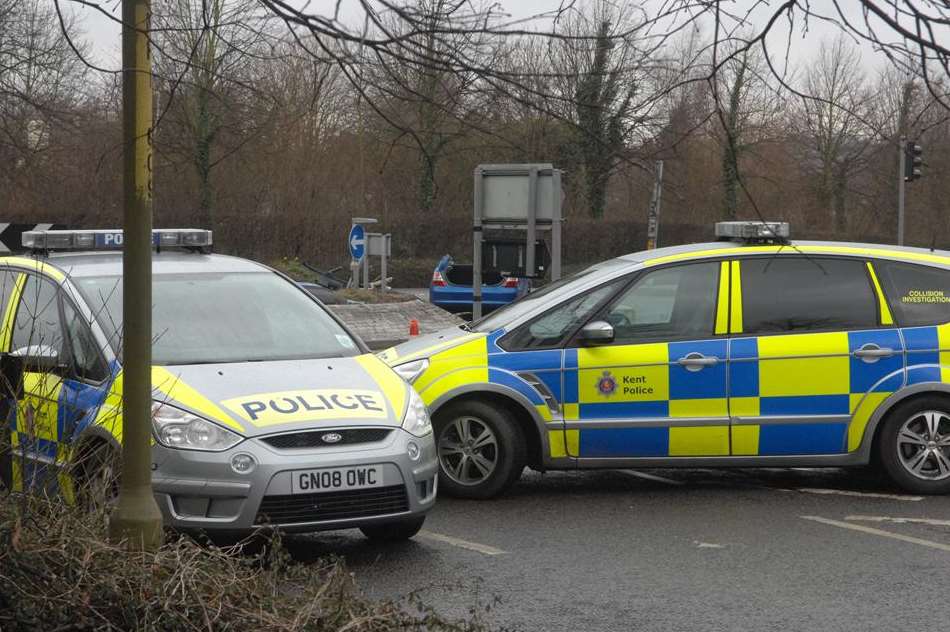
763 549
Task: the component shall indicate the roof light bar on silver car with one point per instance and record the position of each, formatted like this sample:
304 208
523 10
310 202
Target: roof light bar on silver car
112 239
752 231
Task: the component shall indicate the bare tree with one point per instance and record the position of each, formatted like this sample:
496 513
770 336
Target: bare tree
832 126
524 129
602 103
41 80
207 60
424 103
601 82
476 85
733 128
910 33
747 112
312 110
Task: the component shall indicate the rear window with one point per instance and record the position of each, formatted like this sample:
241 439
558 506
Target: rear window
919 295
796 294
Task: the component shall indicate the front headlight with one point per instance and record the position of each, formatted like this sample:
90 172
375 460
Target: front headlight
417 420
410 371
176 428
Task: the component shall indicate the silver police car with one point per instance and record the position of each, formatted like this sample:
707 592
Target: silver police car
267 411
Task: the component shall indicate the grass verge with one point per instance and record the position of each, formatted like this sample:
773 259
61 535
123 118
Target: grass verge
58 573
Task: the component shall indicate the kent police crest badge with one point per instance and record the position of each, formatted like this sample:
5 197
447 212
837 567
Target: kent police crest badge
606 384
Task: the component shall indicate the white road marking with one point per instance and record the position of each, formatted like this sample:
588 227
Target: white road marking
929 521
652 477
879 532
708 545
484 549
848 492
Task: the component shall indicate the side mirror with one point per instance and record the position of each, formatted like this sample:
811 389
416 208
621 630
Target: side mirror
37 358
597 332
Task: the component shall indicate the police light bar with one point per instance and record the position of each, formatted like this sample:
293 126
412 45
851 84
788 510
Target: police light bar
752 231
112 239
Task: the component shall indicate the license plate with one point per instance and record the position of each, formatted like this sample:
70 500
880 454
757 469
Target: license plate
336 479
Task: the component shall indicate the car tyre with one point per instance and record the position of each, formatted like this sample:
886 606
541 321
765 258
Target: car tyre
393 531
96 477
481 449
914 445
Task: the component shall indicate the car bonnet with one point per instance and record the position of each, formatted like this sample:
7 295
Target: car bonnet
257 398
427 346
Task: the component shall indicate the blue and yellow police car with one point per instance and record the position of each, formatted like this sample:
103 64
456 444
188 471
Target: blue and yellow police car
267 410
754 350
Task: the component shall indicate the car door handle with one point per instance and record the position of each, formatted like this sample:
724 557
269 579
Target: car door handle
872 353
696 361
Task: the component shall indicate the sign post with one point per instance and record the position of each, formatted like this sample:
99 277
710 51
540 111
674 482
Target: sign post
516 197
653 217
356 242
383 271
379 245
901 178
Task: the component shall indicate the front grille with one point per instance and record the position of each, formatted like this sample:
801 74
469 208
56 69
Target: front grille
356 503
314 438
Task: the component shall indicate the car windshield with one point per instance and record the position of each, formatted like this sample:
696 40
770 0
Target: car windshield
224 317
501 317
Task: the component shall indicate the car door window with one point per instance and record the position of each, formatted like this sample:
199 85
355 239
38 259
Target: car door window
38 324
668 303
7 282
919 295
88 364
37 318
797 294
554 326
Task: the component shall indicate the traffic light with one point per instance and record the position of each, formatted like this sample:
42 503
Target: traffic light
912 161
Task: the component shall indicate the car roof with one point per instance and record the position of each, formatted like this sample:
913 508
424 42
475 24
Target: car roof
722 248
90 264
609 269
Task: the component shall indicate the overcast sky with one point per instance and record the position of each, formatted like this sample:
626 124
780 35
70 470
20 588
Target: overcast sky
103 33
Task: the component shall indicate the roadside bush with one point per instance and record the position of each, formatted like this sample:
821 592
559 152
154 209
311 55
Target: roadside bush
294 268
58 573
404 271
415 271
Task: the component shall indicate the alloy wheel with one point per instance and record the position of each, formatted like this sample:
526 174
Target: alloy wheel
468 451
923 445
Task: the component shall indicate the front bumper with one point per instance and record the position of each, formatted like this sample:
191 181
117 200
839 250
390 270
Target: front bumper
199 490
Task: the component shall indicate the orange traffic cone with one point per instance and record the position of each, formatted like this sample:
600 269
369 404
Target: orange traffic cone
413 327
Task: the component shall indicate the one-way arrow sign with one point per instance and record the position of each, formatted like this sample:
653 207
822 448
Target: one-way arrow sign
11 235
357 242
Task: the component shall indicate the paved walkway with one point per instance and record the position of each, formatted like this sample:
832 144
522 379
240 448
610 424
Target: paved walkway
386 324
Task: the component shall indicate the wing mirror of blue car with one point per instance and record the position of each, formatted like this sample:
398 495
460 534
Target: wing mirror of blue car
597 332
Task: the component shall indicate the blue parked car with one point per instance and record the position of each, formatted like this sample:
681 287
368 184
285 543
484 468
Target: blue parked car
451 287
